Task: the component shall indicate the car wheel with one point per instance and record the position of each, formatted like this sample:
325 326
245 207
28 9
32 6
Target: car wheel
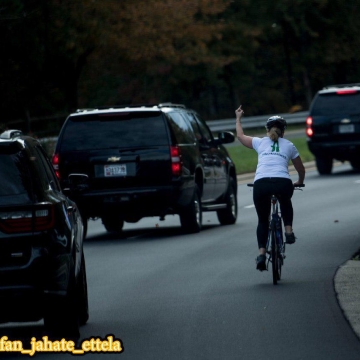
61 317
113 223
191 215
82 294
228 215
324 164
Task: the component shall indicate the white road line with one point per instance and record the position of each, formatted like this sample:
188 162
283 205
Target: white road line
249 206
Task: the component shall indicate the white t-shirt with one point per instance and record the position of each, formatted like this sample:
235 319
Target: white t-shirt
273 157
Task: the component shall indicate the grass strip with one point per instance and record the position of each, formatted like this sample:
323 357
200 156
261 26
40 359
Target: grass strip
245 159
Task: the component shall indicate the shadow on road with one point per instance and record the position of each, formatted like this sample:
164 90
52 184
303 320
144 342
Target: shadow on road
144 234
347 172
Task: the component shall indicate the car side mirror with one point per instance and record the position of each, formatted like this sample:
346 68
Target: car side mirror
226 137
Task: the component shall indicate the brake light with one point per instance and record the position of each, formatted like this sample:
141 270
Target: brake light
55 163
175 160
309 130
32 220
346 92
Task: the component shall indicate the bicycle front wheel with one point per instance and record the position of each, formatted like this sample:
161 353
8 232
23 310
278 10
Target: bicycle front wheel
275 259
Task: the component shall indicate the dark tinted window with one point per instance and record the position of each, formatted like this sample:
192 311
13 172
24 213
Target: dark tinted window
45 169
201 130
15 177
332 104
205 131
39 174
182 129
195 126
86 132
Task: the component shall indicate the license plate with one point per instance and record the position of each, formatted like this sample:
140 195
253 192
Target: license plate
349 128
115 170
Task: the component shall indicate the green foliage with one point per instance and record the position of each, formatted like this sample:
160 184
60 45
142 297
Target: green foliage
211 55
245 159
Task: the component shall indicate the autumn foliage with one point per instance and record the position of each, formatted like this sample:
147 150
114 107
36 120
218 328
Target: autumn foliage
209 54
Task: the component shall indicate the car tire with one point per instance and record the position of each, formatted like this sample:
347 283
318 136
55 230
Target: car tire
61 317
324 164
228 215
113 223
191 215
82 294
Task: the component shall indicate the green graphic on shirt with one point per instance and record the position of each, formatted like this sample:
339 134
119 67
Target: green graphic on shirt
275 146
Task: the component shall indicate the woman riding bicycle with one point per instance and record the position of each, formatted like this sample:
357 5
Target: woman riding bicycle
272 177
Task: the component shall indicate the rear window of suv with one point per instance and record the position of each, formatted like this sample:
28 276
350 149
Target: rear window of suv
333 104
16 182
114 130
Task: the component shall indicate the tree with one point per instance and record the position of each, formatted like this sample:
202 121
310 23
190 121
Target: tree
209 54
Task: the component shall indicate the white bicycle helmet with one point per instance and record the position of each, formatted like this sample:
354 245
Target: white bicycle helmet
277 121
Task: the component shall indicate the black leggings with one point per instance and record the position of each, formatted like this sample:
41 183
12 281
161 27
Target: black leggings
263 189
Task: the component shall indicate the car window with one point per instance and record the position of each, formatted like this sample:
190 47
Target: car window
204 129
46 168
38 171
333 104
195 126
17 181
104 131
182 129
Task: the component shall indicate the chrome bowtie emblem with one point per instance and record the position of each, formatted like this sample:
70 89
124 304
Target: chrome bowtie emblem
113 159
345 121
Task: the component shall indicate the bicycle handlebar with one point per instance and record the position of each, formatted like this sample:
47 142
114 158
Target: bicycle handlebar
295 186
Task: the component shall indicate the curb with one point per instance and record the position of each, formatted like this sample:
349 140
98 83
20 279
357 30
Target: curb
347 288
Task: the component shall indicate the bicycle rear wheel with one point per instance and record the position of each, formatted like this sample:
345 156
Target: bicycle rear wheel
275 259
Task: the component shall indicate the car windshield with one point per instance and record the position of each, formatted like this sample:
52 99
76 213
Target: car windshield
116 130
15 178
333 104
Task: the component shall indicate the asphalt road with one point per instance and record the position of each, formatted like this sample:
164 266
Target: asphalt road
167 295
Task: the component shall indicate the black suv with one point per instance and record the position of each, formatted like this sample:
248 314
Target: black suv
333 126
138 161
42 265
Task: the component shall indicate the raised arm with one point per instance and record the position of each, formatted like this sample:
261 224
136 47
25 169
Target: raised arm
244 139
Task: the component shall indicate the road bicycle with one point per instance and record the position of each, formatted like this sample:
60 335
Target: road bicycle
275 247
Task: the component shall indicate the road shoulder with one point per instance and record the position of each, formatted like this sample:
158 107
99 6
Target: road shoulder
347 288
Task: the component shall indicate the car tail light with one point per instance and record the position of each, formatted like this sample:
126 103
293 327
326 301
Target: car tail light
309 130
175 160
346 92
39 218
55 163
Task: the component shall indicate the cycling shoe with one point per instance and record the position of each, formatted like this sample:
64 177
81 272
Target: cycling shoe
290 238
261 262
